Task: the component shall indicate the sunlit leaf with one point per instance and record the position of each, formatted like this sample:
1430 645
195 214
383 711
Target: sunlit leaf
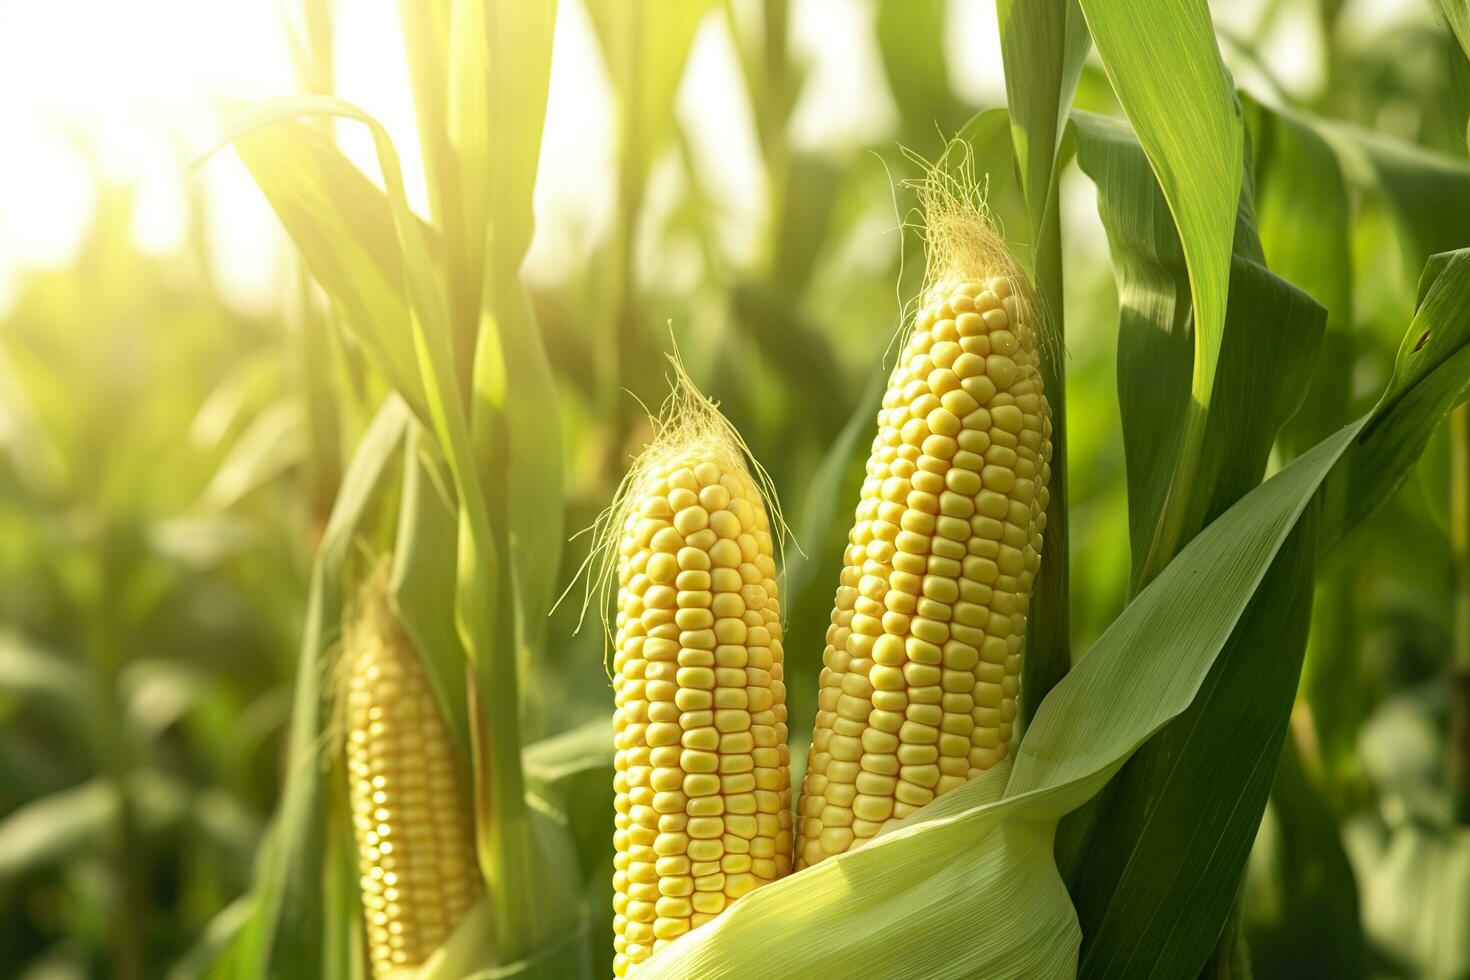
1416 897
1179 100
29 669
343 226
1043 44
422 582
55 827
214 940
645 46
274 441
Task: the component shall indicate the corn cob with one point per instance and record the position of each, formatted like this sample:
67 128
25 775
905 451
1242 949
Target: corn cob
923 657
702 766
408 808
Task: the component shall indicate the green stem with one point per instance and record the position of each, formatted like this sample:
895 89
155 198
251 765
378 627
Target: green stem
1458 749
1049 647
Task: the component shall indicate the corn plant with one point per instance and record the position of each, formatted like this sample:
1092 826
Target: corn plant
1055 840
1092 652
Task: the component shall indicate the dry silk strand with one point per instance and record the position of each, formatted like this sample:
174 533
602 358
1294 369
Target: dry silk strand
702 765
409 811
923 658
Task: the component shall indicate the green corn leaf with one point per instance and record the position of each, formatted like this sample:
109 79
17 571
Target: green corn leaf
426 43
208 956
1197 794
1129 897
1175 92
517 436
1043 45
1457 15
573 774
1304 223
1422 390
465 216
515 419
422 583
243 392
1305 227
1156 348
1428 192
343 226
515 429
519 40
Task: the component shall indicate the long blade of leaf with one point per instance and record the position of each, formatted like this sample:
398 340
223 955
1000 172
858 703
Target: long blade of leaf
1175 92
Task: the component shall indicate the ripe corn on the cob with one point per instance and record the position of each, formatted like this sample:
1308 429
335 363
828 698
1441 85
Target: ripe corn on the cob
923 657
408 808
703 783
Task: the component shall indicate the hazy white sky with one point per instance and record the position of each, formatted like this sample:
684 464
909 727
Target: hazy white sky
134 81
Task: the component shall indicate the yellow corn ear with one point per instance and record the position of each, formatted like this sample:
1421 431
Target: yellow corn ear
408 808
923 657
702 765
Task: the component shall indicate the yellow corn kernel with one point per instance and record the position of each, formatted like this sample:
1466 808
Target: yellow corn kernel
408 808
922 667
720 816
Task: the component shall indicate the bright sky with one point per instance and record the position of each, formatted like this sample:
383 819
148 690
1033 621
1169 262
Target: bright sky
134 81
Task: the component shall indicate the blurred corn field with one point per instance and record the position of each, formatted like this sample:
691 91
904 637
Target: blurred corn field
296 592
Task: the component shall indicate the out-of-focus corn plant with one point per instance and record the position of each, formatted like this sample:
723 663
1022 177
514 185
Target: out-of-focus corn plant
155 546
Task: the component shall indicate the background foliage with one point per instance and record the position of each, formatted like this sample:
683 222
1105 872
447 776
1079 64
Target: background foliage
1236 263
